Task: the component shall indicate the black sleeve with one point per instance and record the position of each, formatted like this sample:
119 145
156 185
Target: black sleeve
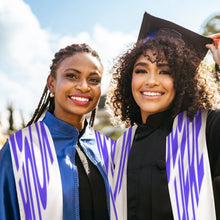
213 145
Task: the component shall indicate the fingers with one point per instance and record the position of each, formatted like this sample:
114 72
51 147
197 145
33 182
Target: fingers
216 43
214 36
211 47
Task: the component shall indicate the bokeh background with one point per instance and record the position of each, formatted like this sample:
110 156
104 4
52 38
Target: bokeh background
31 31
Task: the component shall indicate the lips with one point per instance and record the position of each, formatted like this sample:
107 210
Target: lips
80 99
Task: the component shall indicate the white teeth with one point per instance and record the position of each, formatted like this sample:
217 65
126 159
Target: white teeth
151 93
81 99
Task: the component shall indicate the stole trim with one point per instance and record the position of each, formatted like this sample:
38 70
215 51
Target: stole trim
188 169
36 172
187 166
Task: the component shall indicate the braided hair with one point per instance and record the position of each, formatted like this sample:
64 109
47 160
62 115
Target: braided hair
46 101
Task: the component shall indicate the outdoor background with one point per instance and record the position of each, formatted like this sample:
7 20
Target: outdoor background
31 31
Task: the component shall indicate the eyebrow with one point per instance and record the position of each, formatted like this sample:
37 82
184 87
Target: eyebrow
163 64
146 64
72 69
140 64
79 72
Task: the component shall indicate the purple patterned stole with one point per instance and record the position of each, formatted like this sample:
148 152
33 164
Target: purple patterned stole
188 170
106 147
37 175
116 166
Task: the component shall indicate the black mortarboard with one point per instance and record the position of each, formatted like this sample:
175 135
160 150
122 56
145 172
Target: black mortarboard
151 24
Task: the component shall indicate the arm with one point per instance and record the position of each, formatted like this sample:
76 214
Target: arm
215 50
8 197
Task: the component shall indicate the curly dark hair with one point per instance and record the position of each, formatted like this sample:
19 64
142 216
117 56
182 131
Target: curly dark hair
191 83
47 102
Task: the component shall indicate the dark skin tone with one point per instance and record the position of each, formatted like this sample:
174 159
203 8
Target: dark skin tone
76 88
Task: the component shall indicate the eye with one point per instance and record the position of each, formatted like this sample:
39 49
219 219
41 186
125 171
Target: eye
95 80
138 71
71 75
165 72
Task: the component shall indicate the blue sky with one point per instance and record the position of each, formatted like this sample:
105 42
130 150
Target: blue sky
74 16
31 31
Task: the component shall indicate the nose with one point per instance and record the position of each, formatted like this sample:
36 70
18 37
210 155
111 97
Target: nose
82 85
152 79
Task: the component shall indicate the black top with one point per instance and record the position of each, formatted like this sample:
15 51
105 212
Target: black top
92 191
147 188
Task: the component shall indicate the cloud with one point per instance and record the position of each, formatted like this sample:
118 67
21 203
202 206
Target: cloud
27 50
24 54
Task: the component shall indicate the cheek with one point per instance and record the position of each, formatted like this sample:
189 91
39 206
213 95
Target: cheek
170 88
61 84
169 84
134 83
97 92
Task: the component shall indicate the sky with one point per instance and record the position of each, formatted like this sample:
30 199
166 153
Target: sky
31 31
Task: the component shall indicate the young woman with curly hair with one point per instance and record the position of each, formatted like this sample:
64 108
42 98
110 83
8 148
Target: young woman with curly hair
194 89
52 169
161 88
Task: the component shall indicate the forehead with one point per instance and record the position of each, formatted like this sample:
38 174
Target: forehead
81 60
152 56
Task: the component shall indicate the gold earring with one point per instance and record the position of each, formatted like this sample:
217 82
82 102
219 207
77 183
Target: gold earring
51 95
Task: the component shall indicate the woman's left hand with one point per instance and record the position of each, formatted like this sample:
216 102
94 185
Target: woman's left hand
215 49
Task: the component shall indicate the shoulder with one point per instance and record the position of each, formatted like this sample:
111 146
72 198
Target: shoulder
213 119
5 155
15 141
213 125
125 140
103 142
6 169
128 133
9 207
213 140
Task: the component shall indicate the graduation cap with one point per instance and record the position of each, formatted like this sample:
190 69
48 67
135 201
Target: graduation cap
151 24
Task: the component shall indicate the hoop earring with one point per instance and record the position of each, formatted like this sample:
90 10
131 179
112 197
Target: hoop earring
51 95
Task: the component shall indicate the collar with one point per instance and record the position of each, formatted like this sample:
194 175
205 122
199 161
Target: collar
162 120
58 126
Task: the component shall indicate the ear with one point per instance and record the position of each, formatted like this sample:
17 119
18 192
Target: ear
51 83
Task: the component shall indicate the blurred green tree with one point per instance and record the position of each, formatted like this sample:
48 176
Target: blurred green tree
212 25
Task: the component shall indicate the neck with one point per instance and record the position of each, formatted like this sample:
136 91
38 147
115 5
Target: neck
79 124
76 120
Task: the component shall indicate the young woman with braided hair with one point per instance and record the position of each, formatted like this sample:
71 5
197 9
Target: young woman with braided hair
47 98
52 169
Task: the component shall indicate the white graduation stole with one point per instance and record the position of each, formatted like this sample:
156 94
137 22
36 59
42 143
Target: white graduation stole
106 147
37 174
188 170
119 183
187 167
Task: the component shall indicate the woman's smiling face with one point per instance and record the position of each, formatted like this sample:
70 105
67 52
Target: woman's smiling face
77 86
152 85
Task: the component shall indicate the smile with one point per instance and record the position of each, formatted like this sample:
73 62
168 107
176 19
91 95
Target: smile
80 99
152 93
